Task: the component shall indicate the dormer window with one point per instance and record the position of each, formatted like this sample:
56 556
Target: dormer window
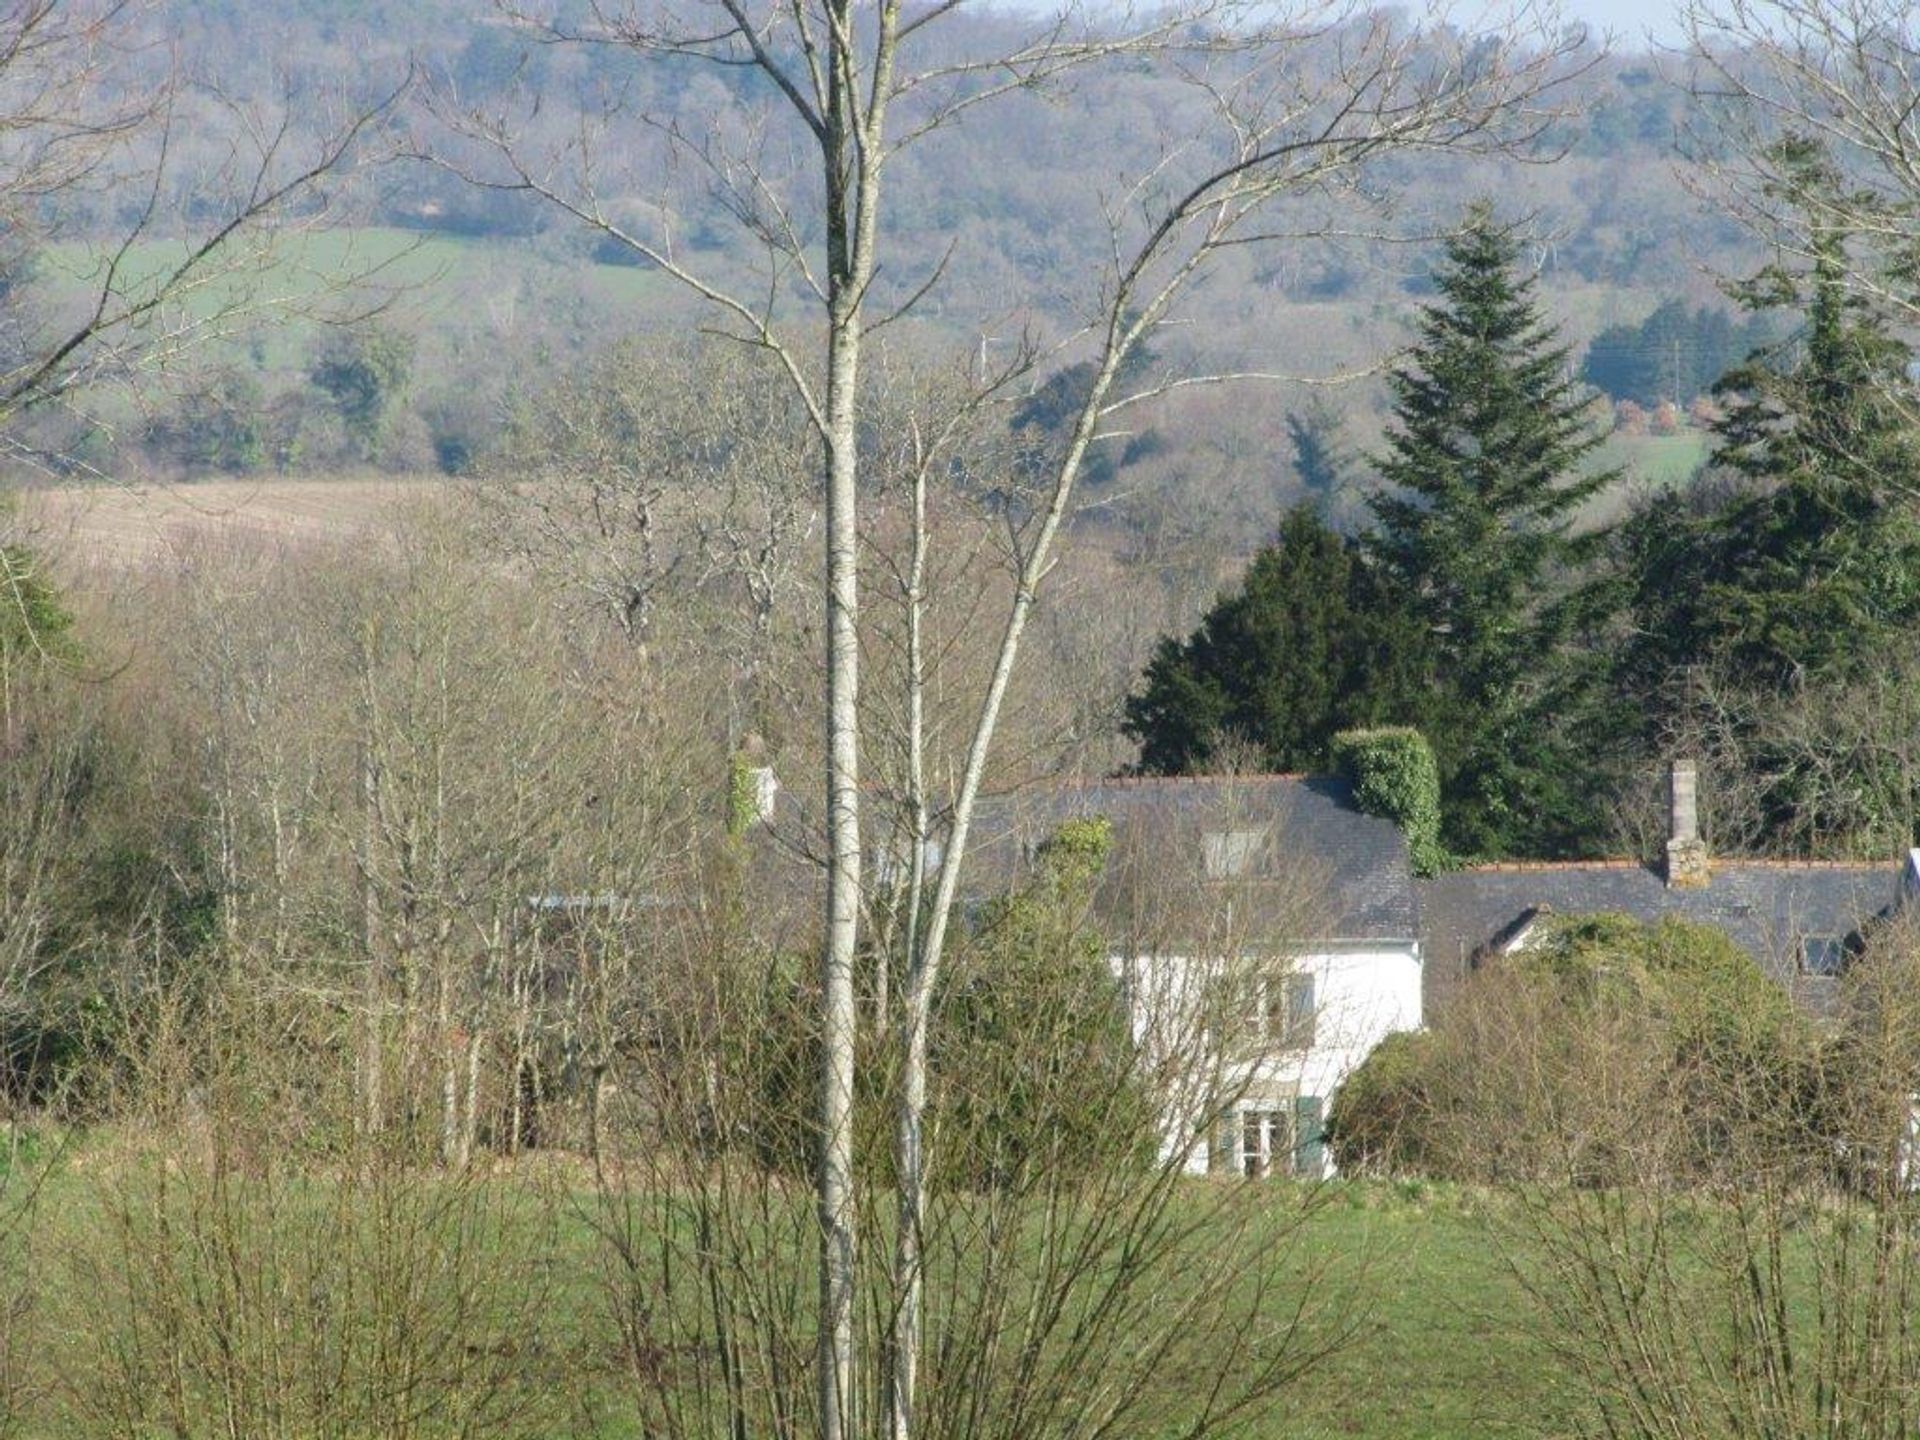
1824 955
1231 853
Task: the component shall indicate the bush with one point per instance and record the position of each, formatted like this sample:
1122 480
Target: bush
1031 1055
1394 776
1553 1062
366 374
1381 1120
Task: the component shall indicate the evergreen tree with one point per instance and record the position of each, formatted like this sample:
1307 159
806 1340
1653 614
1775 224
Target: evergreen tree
1674 354
1486 469
1310 644
1811 565
1320 456
1798 568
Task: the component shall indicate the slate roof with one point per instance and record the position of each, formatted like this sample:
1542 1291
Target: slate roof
1319 869
1768 908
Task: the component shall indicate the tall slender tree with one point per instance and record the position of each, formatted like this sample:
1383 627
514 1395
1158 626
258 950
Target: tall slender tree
1487 466
1289 100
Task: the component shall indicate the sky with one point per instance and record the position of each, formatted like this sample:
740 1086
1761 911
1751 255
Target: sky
1631 20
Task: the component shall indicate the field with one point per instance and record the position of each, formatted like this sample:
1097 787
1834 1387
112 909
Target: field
1441 1350
115 525
1657 460
271 300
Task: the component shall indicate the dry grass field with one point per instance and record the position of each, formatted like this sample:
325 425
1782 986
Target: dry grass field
141 524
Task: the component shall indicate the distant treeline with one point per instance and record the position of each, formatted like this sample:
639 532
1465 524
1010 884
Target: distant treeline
1674 355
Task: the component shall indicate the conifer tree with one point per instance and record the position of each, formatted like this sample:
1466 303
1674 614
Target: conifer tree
1320 458
1310 644
1789 583
1487 466
1812 566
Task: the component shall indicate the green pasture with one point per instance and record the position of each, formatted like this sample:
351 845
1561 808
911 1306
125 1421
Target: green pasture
1440 1346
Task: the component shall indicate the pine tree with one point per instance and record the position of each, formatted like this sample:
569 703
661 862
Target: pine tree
1310 644
1487 467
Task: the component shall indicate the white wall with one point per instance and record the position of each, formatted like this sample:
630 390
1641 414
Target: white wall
1361 997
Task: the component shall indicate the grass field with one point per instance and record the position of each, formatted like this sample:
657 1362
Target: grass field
1445 1351
1442 1350
278 294
1657 459
140 524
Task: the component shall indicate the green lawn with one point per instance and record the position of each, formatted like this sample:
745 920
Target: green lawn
1440 1343
1445 1351
1657 459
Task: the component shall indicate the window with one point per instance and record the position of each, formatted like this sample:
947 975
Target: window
1823 955
1278 1010
1266 1142
1281 1139
1229 853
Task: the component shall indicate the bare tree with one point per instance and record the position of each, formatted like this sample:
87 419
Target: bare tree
673 476
1277 105
1841 74
1077 1276
1732 1250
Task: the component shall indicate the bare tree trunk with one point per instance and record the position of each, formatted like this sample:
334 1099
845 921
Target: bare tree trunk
374 1048
903 1373
470 1120
449 1068
839 1018
851 138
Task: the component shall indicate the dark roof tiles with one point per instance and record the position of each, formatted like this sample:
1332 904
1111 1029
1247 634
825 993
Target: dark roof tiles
1769 908
1317 855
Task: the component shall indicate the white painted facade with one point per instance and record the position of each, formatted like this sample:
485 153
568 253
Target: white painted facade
1248 1052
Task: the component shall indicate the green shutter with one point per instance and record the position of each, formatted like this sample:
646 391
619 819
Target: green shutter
1223 1149
1309 1146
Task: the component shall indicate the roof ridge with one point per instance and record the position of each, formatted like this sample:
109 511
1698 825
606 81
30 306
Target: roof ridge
1532 867
1621 863
1795 863
1147 780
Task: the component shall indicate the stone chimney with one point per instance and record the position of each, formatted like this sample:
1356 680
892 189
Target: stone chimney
1687 865
755 788
766 791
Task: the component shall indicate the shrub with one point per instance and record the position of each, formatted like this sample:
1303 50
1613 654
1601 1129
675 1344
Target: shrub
1551 1063
1394 776
1381 1120
1031 1048
1033 1059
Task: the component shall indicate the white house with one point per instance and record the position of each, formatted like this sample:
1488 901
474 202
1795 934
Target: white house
1266 934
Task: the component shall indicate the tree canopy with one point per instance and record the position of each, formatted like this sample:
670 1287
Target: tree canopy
1311 643
1457 611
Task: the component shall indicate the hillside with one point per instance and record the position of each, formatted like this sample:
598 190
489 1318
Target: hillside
496 294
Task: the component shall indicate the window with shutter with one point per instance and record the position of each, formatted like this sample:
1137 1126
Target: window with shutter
1266 1142
1300 1012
